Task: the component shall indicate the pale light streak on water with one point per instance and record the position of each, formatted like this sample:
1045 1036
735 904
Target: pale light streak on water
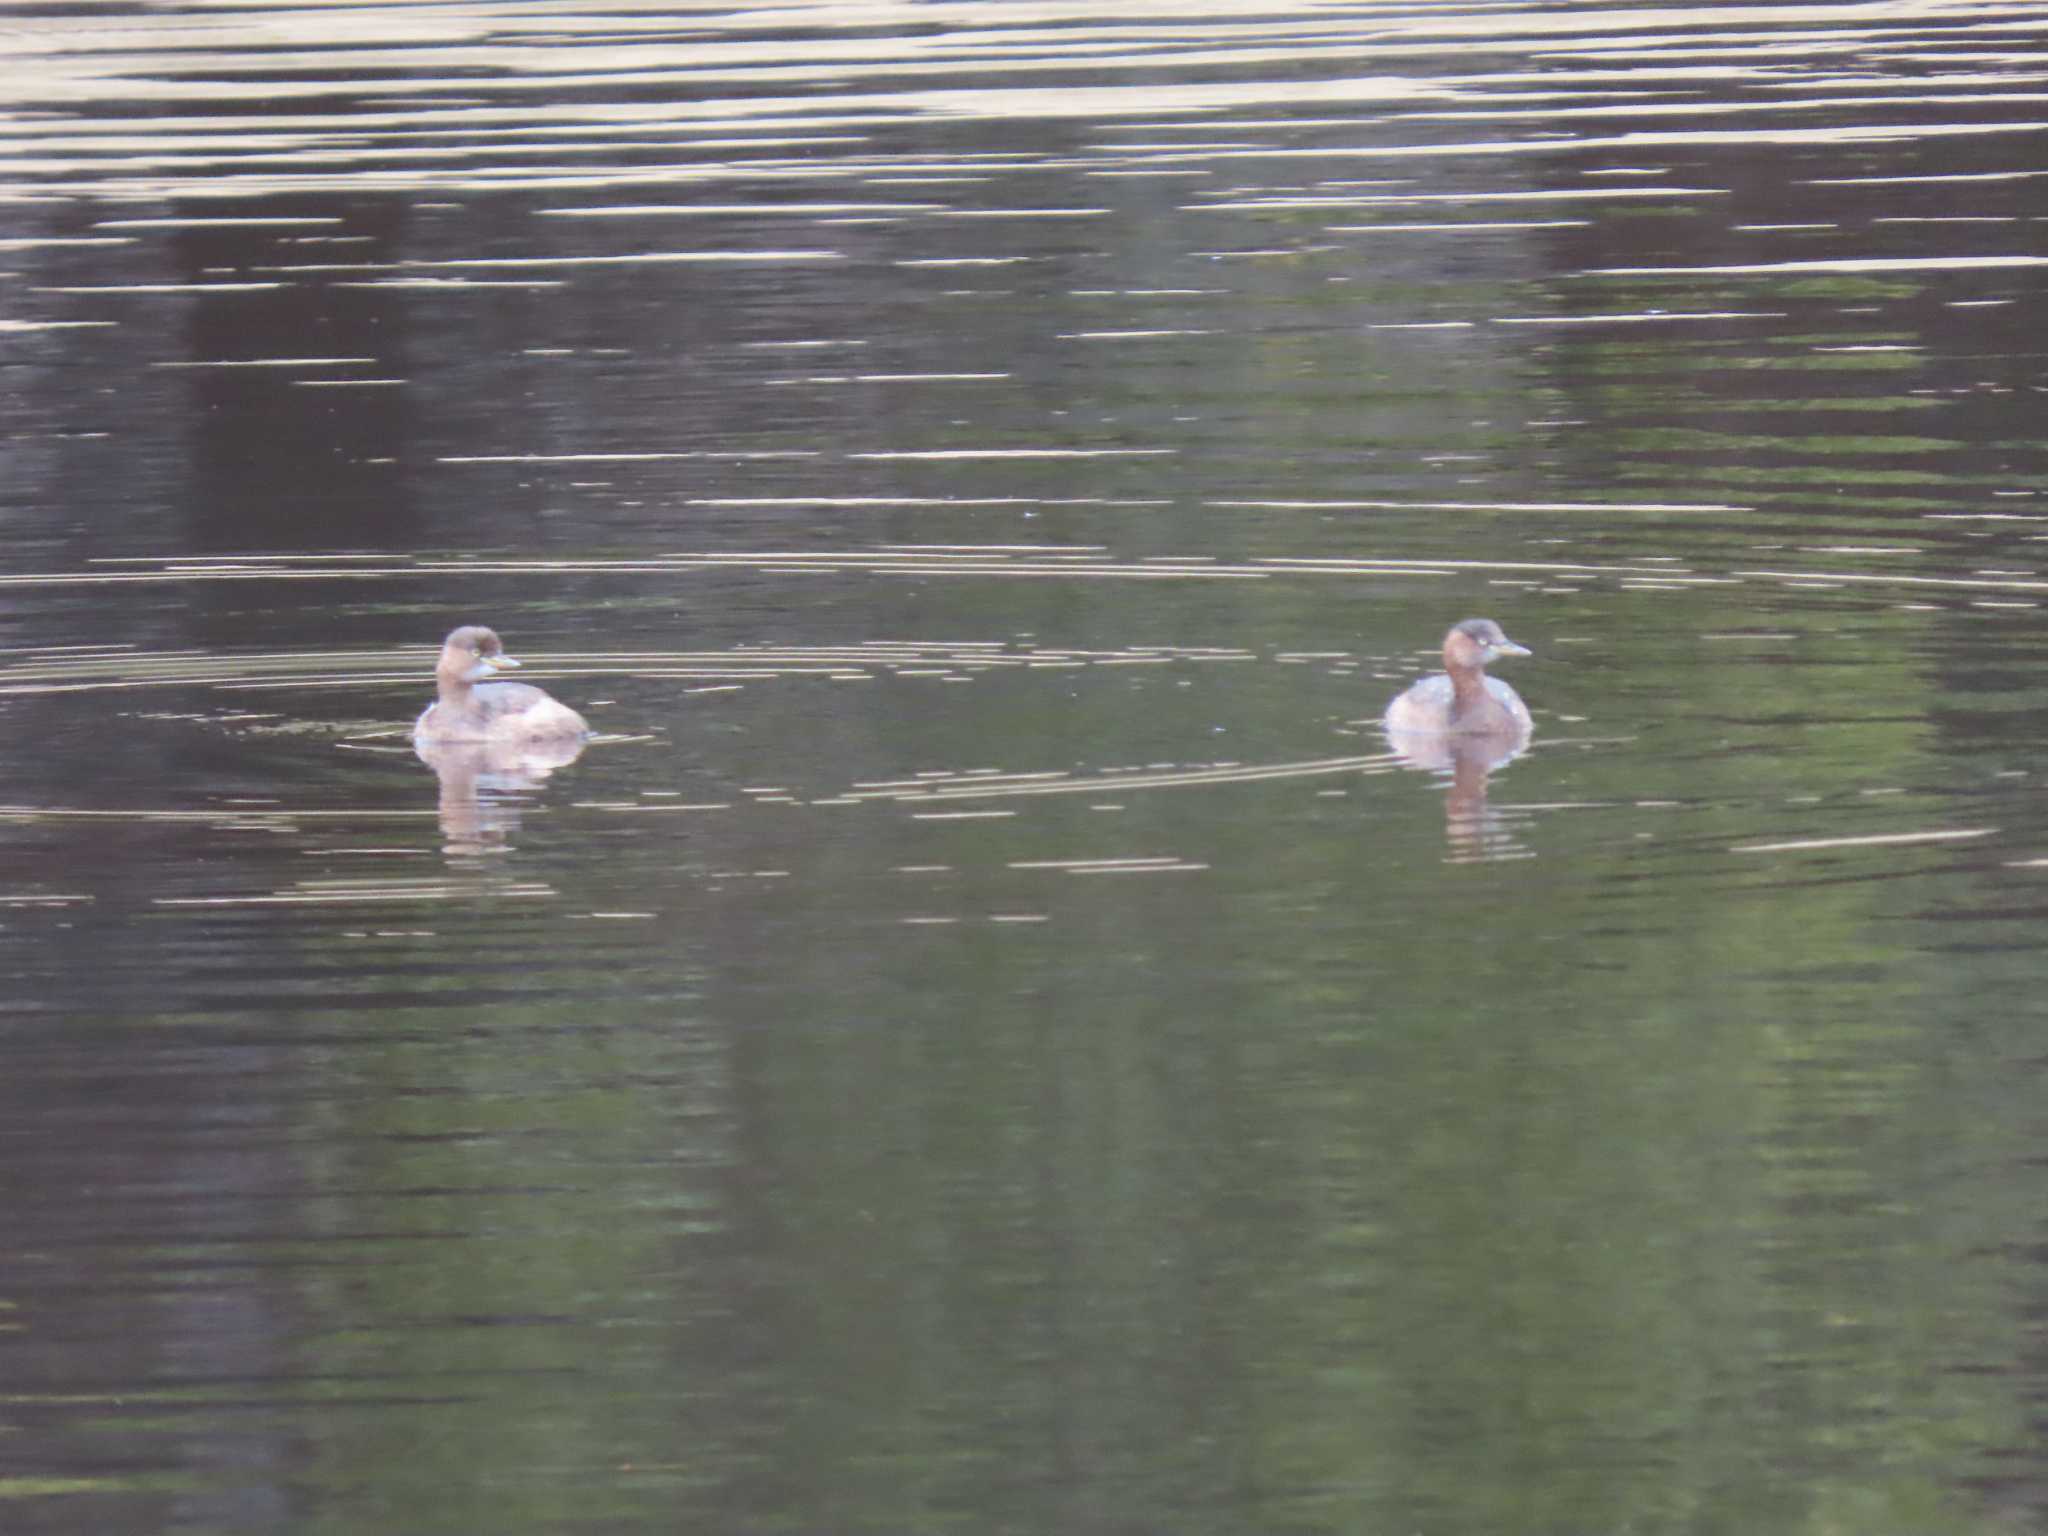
989 1032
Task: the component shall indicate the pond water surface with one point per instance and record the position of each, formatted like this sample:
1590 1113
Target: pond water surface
989 1037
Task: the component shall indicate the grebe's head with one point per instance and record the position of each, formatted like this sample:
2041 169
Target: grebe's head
472 654
1473 643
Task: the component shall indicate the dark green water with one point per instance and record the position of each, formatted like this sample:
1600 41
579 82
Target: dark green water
989 1038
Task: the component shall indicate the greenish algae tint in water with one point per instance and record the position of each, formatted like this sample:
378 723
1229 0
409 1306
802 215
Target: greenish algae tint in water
989 1035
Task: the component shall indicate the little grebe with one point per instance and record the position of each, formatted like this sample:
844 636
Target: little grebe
471 708
1462 699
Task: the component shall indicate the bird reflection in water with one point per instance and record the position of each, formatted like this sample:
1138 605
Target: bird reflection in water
1466 724
485 785
1472 829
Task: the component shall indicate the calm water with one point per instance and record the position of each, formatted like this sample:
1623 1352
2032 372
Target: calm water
989 1039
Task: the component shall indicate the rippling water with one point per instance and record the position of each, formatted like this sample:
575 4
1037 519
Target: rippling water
989 1034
